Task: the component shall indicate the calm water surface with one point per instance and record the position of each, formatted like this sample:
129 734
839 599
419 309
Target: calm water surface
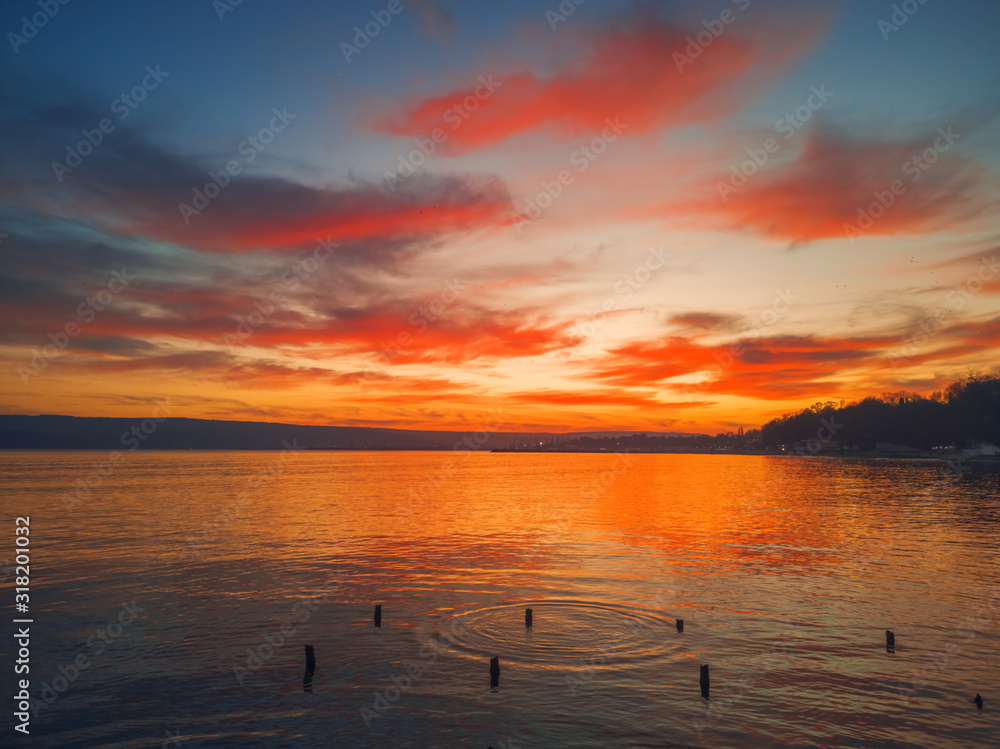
786 572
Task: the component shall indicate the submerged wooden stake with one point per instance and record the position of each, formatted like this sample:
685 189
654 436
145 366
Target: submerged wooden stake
495 671
527 617
378 615
704 681
978 701
890 640
680 625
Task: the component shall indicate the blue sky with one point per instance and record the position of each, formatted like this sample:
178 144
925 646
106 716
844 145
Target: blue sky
519 336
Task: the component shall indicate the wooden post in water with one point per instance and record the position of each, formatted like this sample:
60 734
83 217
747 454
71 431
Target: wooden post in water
307 677
680 625
495 671
890 641
704 681
527 617
978 701
378 615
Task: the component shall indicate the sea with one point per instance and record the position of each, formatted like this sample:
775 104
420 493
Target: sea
172 594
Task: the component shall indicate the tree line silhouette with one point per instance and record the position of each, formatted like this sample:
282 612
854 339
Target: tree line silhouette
966 413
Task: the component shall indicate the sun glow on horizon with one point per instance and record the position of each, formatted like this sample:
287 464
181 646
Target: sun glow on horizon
634 218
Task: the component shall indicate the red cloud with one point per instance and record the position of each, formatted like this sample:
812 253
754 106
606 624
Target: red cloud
644 363
780 368
636 73
365 224
398 333
275 215
463 334
787 367
876 188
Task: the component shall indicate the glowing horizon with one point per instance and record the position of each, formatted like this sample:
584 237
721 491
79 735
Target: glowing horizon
679 216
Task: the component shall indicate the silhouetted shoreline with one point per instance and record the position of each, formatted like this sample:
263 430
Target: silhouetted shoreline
842 454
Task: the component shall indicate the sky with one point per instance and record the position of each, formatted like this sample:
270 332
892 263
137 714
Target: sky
591 215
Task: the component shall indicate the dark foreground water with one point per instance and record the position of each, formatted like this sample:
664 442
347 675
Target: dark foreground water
188 583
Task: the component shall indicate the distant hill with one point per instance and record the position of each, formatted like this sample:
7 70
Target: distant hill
49 432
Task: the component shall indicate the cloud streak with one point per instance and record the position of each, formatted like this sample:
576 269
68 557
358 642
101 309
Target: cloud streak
626 68
839 188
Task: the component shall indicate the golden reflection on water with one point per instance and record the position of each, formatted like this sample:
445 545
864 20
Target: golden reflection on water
786 572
